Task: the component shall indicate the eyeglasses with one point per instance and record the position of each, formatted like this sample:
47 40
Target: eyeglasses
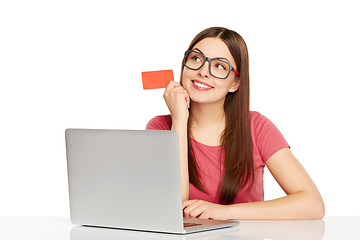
217 68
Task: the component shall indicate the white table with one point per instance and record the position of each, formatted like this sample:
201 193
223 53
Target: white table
60 228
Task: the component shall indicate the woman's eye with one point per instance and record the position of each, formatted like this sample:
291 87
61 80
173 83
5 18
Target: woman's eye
197 59
220 67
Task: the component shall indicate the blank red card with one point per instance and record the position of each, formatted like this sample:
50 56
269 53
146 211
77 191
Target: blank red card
157 79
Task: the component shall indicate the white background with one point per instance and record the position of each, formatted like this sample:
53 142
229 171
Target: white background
78 64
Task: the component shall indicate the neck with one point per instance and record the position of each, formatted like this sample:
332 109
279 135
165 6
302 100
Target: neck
207 116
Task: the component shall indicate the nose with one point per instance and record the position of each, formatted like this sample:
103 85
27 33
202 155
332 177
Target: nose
204 70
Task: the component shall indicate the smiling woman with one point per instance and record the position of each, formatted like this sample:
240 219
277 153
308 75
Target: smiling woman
223 146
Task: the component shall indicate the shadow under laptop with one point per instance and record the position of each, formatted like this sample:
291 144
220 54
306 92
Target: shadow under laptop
247 229
96 233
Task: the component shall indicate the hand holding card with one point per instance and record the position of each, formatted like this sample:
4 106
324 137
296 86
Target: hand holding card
156 79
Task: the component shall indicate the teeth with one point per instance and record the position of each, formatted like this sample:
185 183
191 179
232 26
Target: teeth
201 85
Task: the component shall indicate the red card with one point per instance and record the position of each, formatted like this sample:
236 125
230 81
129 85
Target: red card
157 79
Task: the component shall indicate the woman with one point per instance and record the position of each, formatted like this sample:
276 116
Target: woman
223 146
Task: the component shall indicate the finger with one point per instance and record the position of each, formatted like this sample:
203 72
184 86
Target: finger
172 84
187 203
188 210
197 212
169 86
182 91
178 89
174 89
190 202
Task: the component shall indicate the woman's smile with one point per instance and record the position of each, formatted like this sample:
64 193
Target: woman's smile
201 86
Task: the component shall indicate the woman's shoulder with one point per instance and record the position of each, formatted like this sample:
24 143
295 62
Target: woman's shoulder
266 136
256 118
260 125
259 122
161 122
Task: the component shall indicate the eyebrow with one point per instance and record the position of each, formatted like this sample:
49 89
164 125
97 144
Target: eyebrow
214 57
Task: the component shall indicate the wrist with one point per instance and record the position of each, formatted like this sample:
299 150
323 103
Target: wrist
179 125
229 211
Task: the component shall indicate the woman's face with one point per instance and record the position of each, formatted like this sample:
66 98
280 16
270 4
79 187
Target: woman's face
216 89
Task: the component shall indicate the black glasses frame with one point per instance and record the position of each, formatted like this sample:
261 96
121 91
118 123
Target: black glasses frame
231 69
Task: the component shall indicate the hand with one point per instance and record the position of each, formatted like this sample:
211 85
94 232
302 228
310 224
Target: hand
178 101
204 210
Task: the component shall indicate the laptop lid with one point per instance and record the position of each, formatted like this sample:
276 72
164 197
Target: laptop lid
125 179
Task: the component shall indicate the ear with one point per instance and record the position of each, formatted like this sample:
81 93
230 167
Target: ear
235 85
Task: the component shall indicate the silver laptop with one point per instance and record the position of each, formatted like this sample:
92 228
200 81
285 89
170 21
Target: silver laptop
128 179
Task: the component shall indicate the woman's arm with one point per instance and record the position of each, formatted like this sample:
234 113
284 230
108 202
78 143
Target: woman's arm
181 129
303 200
178 101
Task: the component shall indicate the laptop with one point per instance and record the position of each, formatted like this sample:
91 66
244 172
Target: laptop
128 179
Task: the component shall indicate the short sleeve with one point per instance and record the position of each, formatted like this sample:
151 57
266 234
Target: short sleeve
266 136
162 122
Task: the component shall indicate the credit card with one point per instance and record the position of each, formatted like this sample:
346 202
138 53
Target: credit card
157 79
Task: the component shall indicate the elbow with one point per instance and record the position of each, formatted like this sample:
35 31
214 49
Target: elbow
320 208
317 209
319 213
311 206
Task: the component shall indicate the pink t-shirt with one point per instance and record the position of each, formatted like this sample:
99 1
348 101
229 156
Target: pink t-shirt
266 139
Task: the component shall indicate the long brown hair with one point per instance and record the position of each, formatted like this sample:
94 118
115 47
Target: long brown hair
236 138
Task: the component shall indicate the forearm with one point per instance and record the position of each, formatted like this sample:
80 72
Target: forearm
181 129
301 205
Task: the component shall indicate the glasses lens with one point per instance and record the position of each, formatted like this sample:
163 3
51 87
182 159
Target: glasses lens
194 60
219 68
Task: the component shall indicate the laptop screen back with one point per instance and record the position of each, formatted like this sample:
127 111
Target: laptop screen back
125 179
